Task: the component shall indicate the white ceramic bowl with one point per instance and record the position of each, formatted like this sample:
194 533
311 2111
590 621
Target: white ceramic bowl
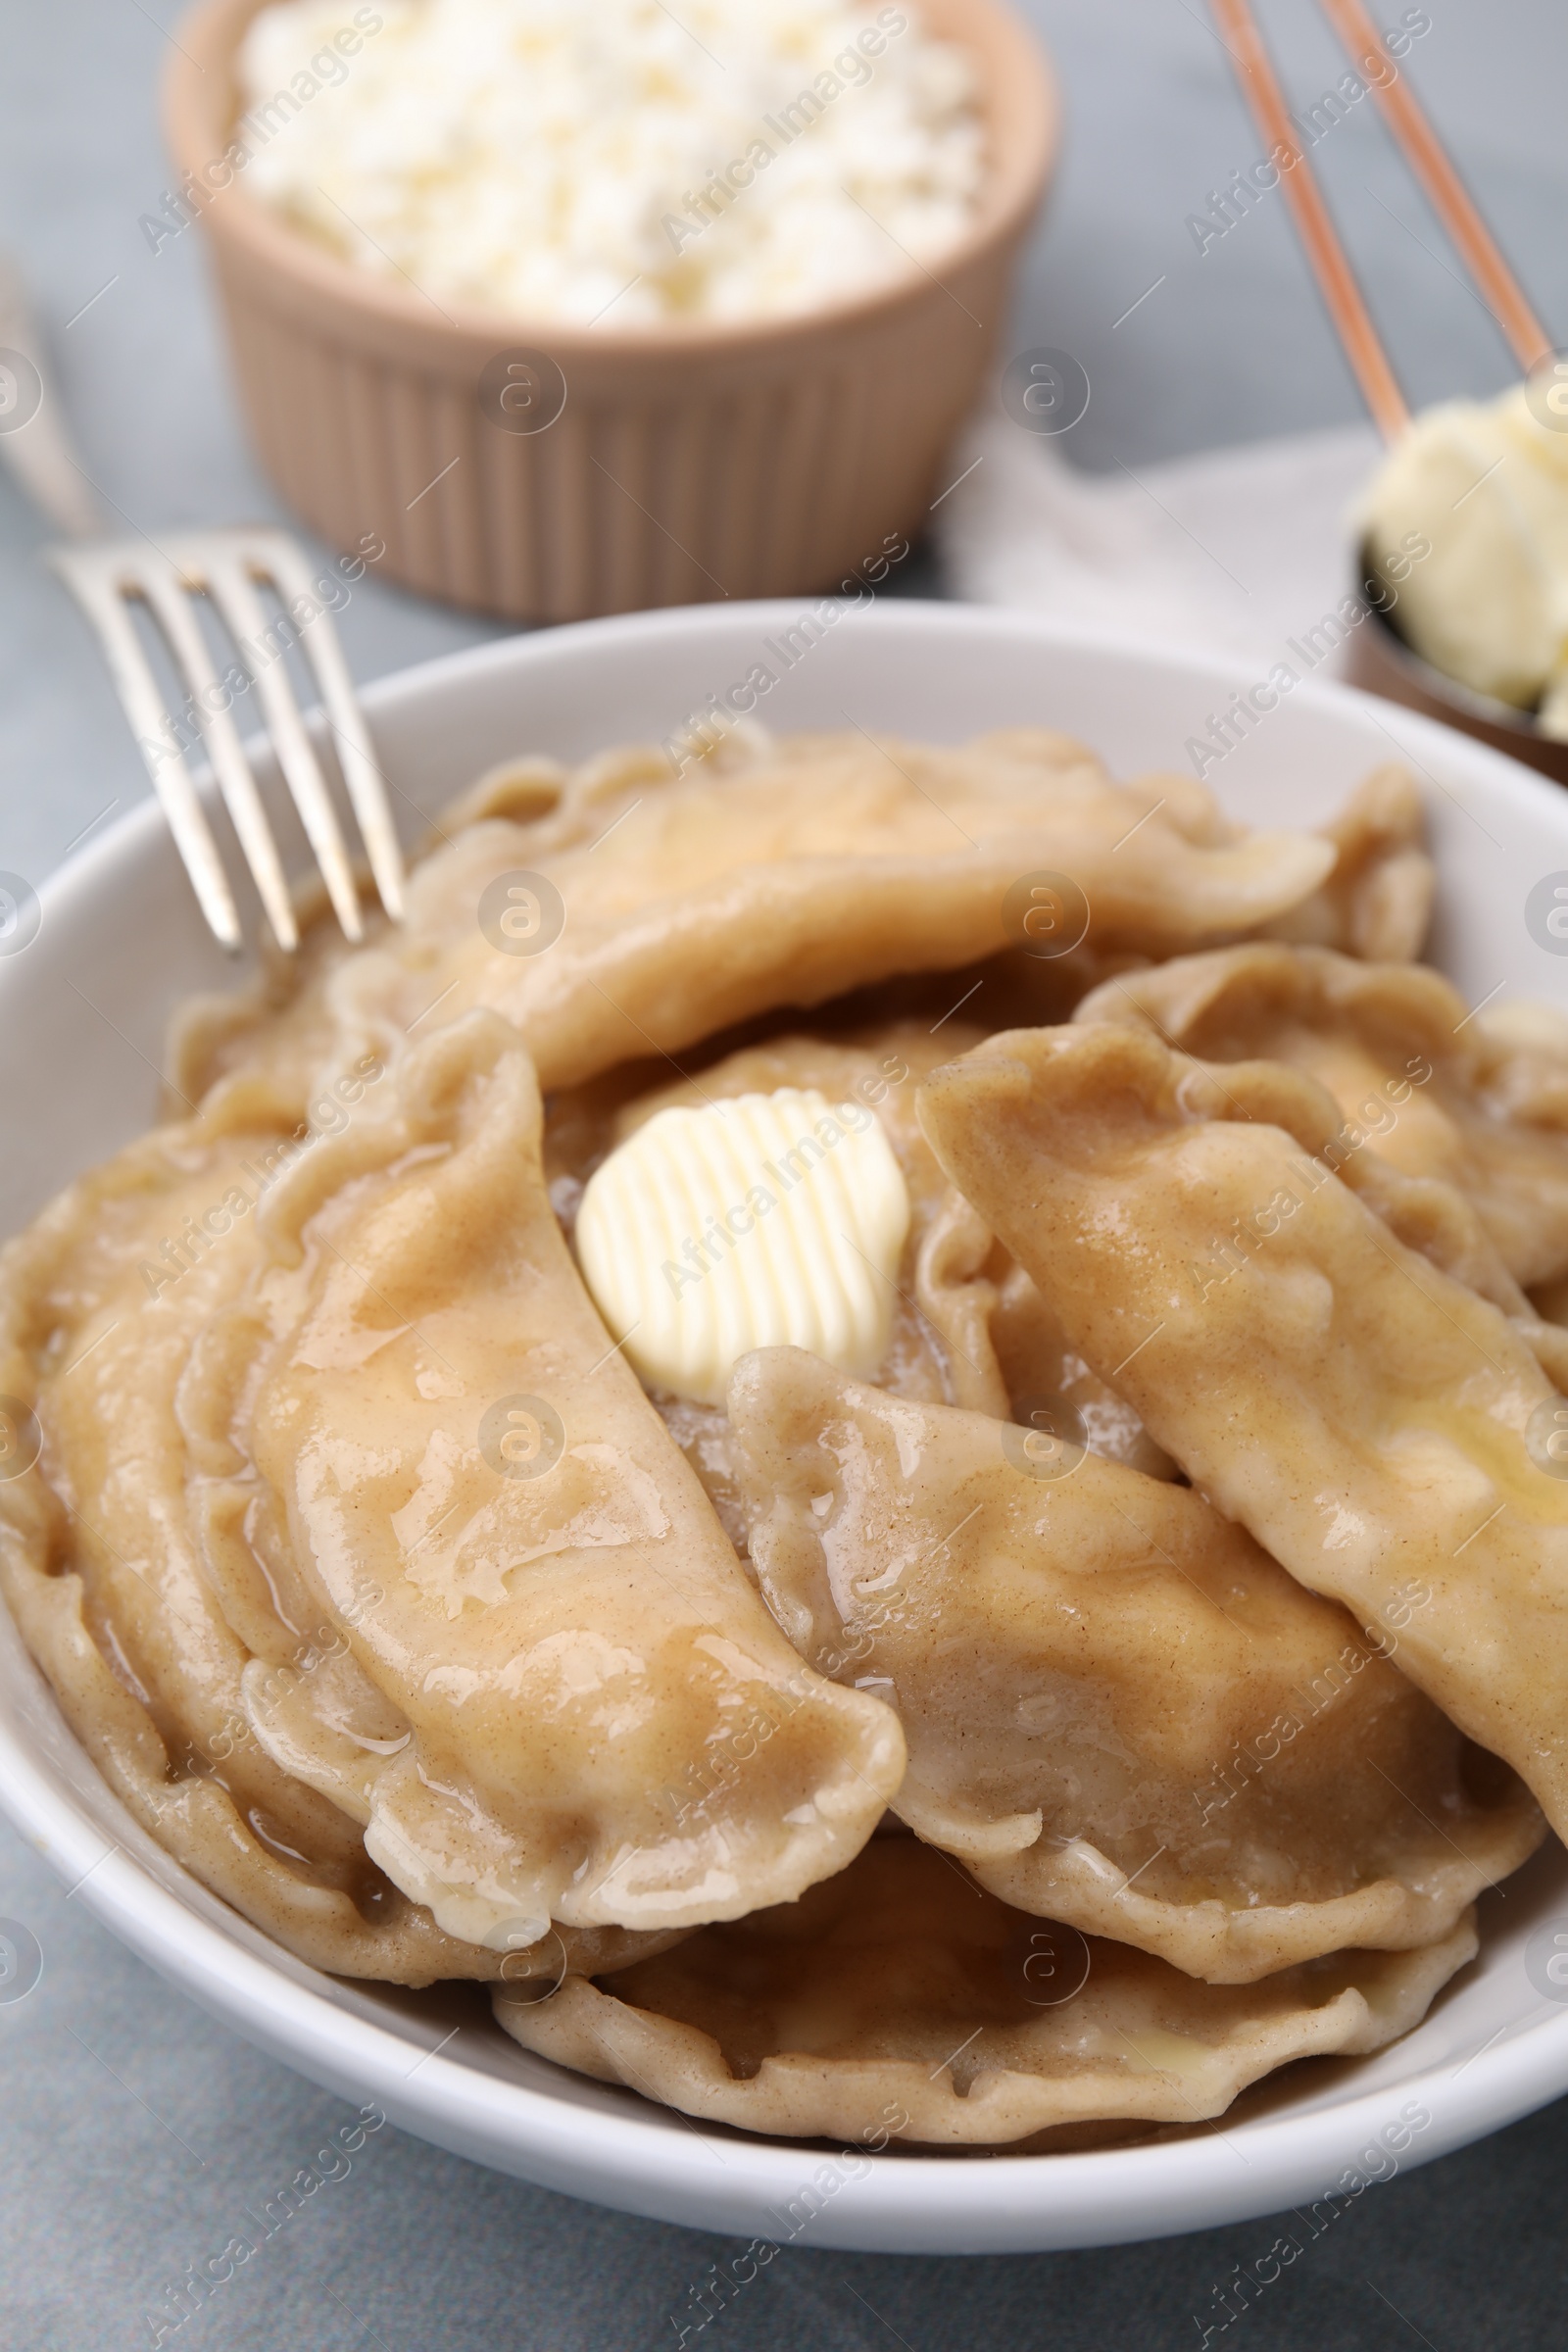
82 1014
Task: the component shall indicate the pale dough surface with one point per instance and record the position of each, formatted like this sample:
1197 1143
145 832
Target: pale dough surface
1362 1412
1121 1713
894 1999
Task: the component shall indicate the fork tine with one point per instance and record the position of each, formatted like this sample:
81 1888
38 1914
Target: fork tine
233 592
367 788
170 604
92 577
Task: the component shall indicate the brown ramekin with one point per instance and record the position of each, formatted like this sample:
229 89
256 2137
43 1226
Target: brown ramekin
691 461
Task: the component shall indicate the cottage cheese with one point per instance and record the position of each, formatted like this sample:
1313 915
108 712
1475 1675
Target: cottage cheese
620 163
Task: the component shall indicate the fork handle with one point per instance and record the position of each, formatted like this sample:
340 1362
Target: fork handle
39 452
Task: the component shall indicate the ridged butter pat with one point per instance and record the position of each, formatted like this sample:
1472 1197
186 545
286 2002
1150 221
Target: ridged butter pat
768 1220
1483 486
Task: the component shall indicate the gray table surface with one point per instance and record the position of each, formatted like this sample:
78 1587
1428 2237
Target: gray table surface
134 2129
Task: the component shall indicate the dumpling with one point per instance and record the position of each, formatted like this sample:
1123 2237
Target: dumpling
122 1336
1377 902
897 2001
1419 1079
1120 1712
560 1697
1044 1374
612 926
1376 1425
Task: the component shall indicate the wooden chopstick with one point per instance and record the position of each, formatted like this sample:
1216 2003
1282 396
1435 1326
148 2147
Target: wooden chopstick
1336 283
1451 200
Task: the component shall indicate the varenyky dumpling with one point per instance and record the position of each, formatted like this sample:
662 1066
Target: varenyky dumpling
565 1701
124 1557
1120 1712
615 924
1378 1426
160 1578
1422 1081
1377 902
898 2001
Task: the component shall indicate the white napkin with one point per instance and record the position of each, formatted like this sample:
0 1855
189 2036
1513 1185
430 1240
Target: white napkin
1234 552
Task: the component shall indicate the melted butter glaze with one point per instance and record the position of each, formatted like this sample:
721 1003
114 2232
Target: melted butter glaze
1364 1413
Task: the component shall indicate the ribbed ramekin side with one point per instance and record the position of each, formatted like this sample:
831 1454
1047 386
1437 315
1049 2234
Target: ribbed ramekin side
665 487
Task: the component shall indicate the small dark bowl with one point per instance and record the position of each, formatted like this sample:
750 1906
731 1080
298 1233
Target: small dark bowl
1382 663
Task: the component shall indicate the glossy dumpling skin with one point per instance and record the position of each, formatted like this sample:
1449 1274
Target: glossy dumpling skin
898 2001
562 1698
1363 1414
1377 902
148 1575
816 866
1434 1088
781 873
1120 1712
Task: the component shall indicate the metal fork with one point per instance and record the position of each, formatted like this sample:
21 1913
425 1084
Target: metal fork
228 565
